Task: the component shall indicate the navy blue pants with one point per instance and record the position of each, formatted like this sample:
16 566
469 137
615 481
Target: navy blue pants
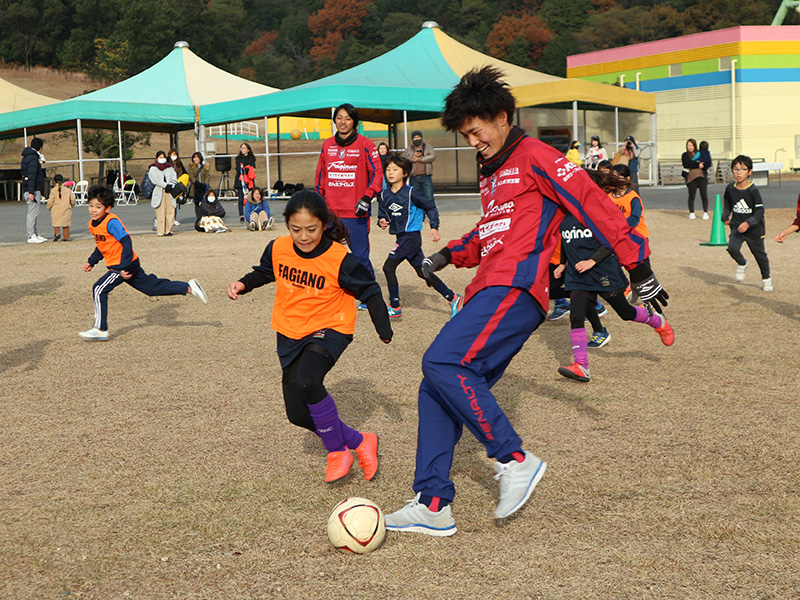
359 240
423 183
147 284
462 364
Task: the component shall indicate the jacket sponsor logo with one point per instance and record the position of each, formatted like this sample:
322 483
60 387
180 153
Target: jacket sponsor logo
341 166
394 206
491 244
492 227
476 408
566 171
493 182
575 233
742 208
337 175
508 172
301 278
494 211
341 153
99 237
340 183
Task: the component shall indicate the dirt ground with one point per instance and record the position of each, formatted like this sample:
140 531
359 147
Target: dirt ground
160 464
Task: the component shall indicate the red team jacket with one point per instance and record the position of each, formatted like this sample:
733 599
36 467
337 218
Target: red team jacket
522 205
346 173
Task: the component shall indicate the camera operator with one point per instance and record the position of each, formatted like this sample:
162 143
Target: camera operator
629 155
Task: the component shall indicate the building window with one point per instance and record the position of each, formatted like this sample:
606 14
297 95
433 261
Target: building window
675 70
725 63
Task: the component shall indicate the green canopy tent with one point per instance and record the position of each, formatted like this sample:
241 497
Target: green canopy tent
412 81
164 98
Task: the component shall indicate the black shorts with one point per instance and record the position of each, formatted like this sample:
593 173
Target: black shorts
332 341
408 247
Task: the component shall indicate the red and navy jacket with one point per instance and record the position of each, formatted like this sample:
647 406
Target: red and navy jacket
523 203
347 173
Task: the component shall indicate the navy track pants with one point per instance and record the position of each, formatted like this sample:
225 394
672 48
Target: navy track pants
462 364
147 284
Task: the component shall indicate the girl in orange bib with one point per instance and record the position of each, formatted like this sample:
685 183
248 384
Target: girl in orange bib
314 315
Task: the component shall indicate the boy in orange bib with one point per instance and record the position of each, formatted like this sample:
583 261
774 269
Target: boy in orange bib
114 245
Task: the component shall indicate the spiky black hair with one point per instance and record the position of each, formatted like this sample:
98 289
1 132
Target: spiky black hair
481 93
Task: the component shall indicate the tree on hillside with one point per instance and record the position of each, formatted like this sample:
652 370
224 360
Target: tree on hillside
33 30
105 145
89 20
519 39
563 16
330 25
554 58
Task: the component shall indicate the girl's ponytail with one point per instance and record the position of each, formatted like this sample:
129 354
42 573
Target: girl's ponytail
315 204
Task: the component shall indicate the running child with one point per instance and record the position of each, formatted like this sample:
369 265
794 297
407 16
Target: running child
744 211
114 245
401 208
795 226
590 269
314 315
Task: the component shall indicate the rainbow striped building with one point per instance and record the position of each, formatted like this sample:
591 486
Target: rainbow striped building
737 88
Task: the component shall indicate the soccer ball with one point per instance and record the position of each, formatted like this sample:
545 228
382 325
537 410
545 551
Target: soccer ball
356 525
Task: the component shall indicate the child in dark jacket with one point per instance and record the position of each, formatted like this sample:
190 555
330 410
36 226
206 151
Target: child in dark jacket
401 208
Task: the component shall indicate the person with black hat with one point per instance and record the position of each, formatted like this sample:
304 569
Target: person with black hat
421 156
349 175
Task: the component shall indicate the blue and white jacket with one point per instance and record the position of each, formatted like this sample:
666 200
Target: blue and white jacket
405 208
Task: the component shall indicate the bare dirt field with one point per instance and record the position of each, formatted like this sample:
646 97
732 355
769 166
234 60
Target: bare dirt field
160 464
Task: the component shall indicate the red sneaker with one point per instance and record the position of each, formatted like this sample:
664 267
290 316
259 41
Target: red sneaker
367 453
339 463
575 371
666 332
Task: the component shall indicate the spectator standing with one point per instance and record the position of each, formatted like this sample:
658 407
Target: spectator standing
60 204
245 175
695 170
33 186
163 176
421 155
596 153
199 180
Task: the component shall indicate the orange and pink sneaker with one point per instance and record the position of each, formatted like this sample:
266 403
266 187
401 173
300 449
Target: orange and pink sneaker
367 453
339 463
575 371
666 332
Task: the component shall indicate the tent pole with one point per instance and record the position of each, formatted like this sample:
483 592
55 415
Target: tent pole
266 145
278 146
616 126
654 160
575 119
25 135
80 150
405 129
121 166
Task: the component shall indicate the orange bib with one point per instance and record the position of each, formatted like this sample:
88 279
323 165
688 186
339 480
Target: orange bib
624 203
109 246
308 297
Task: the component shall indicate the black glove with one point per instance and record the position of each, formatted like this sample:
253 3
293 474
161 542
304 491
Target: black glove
433 263
646 286
362 208
168 189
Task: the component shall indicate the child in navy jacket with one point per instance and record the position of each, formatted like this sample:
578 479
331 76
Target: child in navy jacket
401 209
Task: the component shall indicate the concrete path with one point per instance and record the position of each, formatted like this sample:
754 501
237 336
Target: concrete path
139 219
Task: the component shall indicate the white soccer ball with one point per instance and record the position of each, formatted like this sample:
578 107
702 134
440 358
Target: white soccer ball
356 525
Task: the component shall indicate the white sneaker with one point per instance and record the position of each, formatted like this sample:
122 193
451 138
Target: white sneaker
270 223
740 271
692 216
35 239
517 482
415 517
42 238
176 223
705 216
767 284
197 291
94 334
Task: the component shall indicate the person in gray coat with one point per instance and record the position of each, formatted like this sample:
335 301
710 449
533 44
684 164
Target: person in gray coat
163 176
421 155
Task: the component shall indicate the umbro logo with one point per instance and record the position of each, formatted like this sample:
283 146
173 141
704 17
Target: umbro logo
742 207
394 206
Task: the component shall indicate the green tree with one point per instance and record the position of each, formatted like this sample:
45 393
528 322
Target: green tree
105 145
564 16
554 58
33 30
111 60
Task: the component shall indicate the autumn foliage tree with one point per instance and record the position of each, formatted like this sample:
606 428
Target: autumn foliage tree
332 23
519 39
